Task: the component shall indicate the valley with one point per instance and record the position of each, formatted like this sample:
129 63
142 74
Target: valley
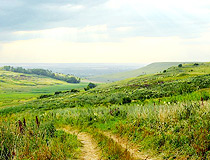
157 116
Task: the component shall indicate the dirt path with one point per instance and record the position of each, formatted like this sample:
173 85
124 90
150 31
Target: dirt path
132 148
90 150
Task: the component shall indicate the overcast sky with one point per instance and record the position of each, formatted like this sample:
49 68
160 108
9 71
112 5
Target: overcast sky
104 31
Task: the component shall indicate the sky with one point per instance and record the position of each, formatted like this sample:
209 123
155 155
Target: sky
104 31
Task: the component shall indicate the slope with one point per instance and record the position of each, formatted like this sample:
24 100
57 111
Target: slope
17 88
176 82
165 115
149 69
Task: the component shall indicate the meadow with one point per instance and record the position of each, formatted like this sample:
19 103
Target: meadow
16 88
157 116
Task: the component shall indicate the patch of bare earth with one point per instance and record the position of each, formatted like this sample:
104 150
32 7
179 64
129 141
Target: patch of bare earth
90 150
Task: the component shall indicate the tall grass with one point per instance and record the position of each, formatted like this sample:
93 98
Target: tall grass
35 140
175 131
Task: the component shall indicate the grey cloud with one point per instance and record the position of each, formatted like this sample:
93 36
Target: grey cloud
38 15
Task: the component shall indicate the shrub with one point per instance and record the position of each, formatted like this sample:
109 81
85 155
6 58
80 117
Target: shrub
45 96
126 100
91 85
58 92
74 90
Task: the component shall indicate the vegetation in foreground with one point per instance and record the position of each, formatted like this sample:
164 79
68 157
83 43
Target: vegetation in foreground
166 115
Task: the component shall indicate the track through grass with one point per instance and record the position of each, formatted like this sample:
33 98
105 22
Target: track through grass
90 150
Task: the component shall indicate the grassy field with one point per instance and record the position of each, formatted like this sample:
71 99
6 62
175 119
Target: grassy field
164 115
16 88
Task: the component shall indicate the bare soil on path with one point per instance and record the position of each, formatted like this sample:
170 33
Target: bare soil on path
90 150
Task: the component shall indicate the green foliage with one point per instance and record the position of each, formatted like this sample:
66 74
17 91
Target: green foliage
45 96
33 142
126 100
177 130
17 88
180 65
91 85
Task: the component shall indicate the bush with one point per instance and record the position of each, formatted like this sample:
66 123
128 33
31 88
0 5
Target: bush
126 100
45 96
58 92
74 90
91 85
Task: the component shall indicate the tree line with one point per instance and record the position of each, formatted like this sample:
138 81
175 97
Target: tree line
44 72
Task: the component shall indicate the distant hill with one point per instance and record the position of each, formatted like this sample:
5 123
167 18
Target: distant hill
149 69
59 76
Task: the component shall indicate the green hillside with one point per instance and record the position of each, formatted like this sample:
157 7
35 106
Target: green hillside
18 88
149 69
47 73
164 116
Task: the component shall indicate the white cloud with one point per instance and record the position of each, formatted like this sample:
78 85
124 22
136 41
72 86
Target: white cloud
175 9
63 33
157 3
97 28
124 29
63 8
136 49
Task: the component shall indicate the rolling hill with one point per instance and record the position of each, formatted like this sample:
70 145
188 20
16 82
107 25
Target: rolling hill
163 115
149 69
174 82
16 88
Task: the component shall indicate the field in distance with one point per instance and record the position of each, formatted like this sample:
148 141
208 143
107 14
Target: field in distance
16 88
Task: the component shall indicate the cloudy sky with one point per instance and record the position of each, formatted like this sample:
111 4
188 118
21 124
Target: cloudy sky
107 31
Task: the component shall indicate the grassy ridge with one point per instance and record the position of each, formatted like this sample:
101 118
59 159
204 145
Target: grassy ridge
149 69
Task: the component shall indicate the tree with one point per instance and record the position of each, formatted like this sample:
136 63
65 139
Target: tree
91 85
180 65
